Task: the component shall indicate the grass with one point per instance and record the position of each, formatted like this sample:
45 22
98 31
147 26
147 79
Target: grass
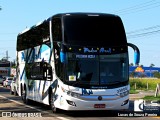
150 98
141 84
133 91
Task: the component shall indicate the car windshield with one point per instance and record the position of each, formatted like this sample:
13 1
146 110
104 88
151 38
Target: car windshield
97 69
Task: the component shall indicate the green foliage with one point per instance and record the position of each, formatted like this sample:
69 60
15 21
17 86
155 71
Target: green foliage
151 98
133 91
156 74
133 74
141 84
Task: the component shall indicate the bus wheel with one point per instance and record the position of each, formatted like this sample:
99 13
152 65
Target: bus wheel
52 106
15 92
24 96
11 92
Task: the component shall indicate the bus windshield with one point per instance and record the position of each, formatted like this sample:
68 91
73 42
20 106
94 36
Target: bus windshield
94 30
96 69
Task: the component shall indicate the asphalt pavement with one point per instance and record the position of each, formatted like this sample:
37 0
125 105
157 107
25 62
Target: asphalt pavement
9 103
141 95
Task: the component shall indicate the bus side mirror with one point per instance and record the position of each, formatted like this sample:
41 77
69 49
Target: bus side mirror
136 57
136 53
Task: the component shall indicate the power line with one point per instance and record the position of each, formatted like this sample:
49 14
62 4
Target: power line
144 29
133 7
139 7
144 34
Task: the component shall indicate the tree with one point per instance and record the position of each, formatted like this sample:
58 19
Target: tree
156 74
152 65
141 65
131 64
13 64
133 74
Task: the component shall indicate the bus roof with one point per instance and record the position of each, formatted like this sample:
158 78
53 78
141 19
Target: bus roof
60 15
36 25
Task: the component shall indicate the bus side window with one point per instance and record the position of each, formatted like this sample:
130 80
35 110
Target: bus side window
56 29
59 67
38 71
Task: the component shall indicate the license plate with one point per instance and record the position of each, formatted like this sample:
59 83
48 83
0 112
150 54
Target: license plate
99 105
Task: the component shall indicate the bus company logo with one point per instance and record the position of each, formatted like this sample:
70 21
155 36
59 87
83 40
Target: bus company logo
90 51
138 105
101 50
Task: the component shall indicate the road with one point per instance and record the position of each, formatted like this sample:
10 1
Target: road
11 105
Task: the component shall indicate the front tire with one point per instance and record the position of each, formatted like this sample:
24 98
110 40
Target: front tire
52 104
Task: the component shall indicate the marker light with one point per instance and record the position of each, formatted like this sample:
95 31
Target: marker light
70 48
123 94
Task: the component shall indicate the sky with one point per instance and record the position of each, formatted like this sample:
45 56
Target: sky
141 20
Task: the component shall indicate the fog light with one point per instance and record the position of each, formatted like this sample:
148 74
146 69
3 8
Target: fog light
125 102
71 103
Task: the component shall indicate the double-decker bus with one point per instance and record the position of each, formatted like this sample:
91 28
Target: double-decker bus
5 68
75 61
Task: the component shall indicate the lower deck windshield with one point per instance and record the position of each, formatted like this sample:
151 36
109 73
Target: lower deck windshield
96 69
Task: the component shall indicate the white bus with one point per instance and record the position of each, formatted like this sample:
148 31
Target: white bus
75 61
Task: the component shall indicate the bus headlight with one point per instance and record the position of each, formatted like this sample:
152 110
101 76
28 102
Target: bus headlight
123 94
72 94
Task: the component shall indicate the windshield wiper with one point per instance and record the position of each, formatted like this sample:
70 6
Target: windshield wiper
76 82
115 82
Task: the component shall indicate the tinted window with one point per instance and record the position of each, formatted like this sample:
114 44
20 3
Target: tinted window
96 69
38 71
56 29
59 67
34 37
94 30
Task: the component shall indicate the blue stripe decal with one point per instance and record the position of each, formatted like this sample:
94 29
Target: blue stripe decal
44 48
22 75
39 85
27 58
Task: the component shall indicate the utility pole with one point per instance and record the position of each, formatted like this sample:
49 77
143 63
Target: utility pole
7 55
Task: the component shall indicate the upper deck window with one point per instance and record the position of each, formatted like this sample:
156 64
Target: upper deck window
94 30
